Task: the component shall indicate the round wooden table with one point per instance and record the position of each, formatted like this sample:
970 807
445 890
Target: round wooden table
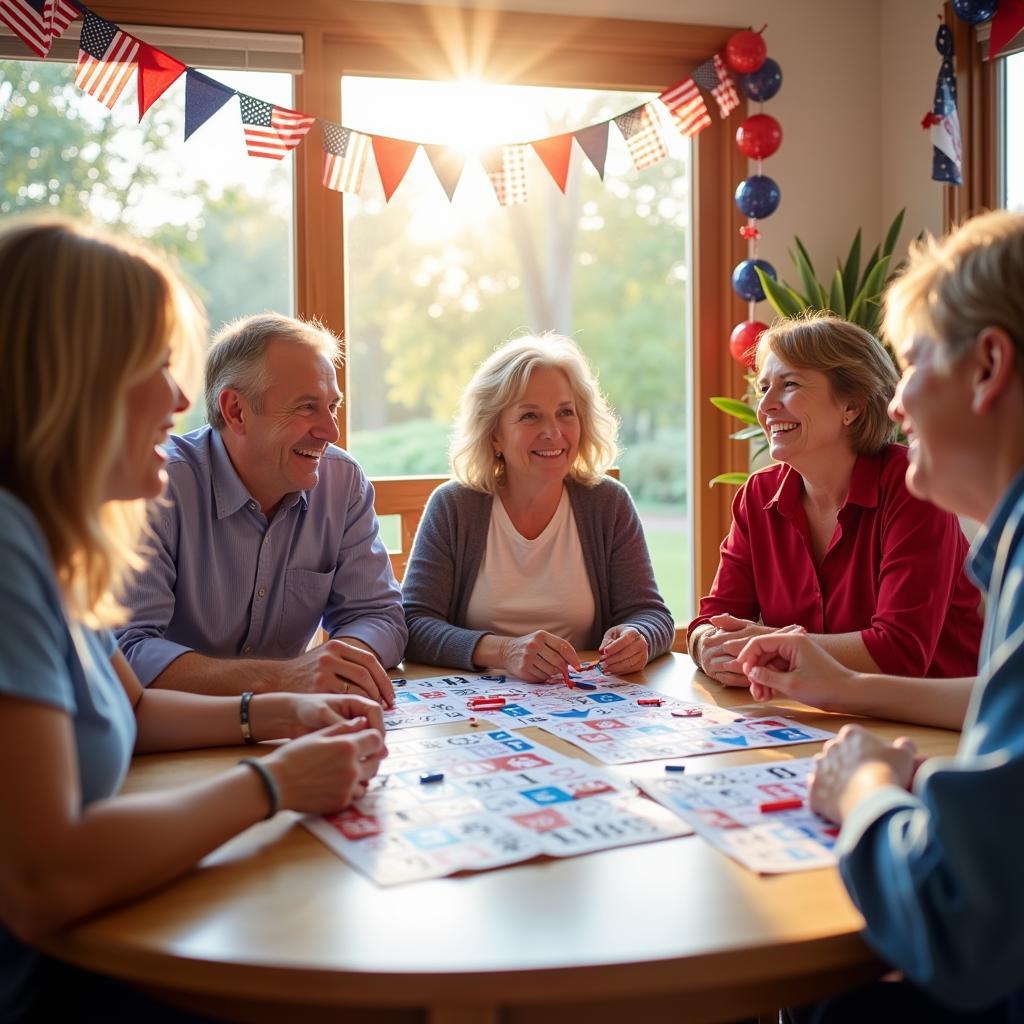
273 926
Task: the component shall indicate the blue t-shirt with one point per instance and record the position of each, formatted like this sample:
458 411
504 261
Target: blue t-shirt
46 658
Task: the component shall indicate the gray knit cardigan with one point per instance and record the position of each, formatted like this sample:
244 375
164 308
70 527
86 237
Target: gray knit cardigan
449 548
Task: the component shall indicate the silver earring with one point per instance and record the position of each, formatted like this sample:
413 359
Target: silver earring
499 455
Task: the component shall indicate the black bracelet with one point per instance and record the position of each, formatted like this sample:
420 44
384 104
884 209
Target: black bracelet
243 717
273 793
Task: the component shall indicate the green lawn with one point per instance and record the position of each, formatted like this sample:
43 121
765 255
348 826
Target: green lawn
670 553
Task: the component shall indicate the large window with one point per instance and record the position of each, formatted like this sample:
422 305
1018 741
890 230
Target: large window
226 218
433 286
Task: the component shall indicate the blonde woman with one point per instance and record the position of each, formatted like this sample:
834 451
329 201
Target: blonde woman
829 538
532 553
89 327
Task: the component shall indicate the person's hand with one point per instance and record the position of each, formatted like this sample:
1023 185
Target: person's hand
338 667
623 650
791 663
324 771
853 765
712 657
538 656
280 716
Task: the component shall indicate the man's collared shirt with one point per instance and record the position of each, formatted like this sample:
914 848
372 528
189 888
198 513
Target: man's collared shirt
937 872
894 570
224 582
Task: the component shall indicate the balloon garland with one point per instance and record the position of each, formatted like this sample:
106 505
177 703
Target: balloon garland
758 195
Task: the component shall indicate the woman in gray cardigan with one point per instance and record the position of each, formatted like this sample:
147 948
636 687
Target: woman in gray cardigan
532 552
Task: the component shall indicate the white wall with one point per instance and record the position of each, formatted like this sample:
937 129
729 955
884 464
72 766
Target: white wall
858 77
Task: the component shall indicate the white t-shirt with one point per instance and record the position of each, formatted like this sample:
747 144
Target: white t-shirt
524 585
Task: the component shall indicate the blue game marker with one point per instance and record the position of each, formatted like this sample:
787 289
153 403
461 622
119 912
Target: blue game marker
581 685
675 767
426 777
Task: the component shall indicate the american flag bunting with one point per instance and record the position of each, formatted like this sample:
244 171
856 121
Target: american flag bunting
506 167
714 77
345 153
106 59
37 22
643 136
271 131
686 105
944 122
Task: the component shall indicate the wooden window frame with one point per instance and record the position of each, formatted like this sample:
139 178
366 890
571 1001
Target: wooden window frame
399 40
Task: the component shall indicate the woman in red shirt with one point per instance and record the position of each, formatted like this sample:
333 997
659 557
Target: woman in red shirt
828 538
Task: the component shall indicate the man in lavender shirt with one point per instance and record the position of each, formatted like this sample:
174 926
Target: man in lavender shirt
266 529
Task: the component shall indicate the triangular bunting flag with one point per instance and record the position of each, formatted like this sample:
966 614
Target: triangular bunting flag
555 154
642 132
345 153
506 167
271 131
686 105
714 77
594 142
158 71
448 164
393 159
106 59
1006 23
37 22
203 98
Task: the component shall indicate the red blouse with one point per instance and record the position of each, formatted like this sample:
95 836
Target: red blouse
894 569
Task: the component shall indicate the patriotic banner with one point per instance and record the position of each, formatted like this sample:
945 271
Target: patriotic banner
506 167
345 153
106 59
642 132
713 77
943 123
555 154
271 131
37 22
109 56
686 105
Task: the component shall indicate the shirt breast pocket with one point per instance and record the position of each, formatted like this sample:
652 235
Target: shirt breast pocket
305 598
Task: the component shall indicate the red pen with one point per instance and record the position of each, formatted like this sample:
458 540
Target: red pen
565 676
781 805
650 702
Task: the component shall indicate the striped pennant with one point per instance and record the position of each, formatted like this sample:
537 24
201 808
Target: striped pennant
271 131
106 59
686 105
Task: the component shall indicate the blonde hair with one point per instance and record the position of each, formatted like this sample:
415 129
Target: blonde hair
500 381
84 316
856 364
956 286
237 356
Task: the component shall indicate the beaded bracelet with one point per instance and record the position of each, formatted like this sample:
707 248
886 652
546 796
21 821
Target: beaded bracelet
243 717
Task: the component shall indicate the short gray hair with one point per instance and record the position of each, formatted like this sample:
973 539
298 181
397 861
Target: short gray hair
236 358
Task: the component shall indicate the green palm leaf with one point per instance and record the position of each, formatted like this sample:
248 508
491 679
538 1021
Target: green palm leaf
734 407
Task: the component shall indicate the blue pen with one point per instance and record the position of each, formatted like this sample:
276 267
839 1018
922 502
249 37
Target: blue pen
426 777
675 767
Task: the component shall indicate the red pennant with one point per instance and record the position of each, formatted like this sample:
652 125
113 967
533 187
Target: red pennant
555 153
157 72
1006 23
393 159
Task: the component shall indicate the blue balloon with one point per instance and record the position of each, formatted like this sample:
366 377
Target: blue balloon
757 196
974 12
765 82
745 282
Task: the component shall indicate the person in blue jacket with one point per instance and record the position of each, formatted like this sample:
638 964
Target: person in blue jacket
933 858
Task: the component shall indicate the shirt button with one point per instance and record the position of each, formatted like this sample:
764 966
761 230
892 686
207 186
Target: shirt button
252 505
262 592
247 649
266 540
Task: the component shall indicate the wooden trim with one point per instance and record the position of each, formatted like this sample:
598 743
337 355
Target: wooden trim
976 107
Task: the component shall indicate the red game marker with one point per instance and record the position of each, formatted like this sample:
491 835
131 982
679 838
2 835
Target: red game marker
781 805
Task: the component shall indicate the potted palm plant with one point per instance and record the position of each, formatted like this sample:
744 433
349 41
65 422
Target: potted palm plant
853 292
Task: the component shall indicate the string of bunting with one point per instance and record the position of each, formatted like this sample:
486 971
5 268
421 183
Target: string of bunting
108 57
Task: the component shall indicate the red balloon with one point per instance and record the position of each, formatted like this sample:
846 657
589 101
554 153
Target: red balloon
743 341
745 51
759 136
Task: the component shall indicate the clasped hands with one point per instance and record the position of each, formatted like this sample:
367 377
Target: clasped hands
541 655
